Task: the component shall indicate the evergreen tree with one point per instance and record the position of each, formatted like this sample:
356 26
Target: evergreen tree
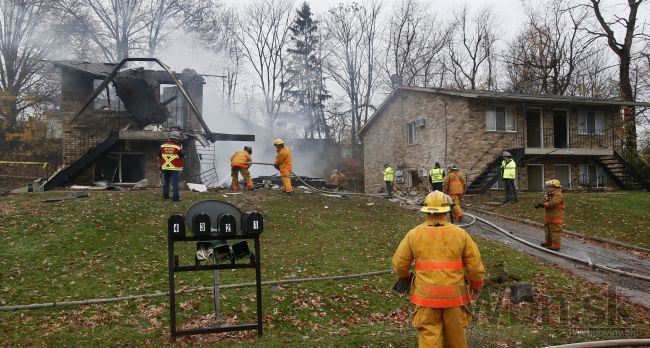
305 83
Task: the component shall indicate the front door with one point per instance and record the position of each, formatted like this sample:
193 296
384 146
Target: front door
560 135
533 128
535 178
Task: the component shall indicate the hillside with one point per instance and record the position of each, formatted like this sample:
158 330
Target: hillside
114 244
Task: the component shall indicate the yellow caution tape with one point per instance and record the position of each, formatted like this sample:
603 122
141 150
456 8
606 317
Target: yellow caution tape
28 163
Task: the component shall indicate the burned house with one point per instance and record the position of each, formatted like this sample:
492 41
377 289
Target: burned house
576 140
114 121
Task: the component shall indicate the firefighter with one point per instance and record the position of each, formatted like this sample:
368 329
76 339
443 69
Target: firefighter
554 208
338 180
171 164
389 176
509 173
283 164
239 163
454 186
436 177
445 255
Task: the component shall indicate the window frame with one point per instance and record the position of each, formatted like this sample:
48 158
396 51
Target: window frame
509 113
583 126
411 140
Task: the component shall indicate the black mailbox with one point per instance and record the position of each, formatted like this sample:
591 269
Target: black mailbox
252 222
227 224
201 224
241 250
176 226
222 252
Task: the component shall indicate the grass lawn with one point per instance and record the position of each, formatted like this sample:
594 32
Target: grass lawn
622 216
114 244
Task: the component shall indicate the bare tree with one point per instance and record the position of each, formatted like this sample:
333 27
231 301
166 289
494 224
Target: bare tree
263 37
353 39
623 49
546 57
471 48
24 44
415 37
118 27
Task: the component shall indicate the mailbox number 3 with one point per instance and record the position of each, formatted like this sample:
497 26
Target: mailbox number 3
202 226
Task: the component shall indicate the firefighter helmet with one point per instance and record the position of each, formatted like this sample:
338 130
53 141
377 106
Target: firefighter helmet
248 149
506 154
278 142
436 202
175 135
452 166
553 183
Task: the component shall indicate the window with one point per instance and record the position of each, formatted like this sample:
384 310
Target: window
500 118
107 99
592 175
412 136
591 122
120 168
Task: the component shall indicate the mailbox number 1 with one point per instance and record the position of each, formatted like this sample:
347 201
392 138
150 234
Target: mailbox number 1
202 226
256 224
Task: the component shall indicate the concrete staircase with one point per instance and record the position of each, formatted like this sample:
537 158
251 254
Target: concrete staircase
491 173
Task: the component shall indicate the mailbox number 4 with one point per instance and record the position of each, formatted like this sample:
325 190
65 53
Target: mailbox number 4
177 228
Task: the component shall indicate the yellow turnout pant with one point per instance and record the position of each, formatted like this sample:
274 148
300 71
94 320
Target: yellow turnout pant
456 212
440 327
553 234
285 175
234 173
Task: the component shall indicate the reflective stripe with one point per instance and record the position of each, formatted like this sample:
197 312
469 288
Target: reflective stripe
554 221
242 165
476 283
168 165
561 206
439 302
285 170
440 290
438 265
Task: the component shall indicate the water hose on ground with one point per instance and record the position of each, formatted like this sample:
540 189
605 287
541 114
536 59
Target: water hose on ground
611 343
568 257
190 290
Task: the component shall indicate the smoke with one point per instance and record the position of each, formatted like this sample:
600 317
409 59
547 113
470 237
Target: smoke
186 51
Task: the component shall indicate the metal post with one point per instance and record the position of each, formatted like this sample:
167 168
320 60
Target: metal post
258 283
172 293
217 314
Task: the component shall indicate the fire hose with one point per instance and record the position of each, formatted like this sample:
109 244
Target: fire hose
568 257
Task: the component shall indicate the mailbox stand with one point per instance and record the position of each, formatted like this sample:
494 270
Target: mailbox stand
177 234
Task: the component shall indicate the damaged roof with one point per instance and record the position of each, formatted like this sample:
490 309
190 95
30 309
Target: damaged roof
481 94
95 69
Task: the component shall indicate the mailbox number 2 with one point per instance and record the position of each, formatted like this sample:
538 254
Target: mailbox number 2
202 226
228 229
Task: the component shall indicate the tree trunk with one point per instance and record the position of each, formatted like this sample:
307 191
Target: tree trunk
629 112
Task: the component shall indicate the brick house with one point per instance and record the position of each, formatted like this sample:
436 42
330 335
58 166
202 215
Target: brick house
118 135
574 139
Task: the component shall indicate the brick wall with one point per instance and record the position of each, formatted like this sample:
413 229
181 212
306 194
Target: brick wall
469 145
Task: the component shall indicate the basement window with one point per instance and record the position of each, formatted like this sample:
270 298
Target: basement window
120 168
500 118
412 133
